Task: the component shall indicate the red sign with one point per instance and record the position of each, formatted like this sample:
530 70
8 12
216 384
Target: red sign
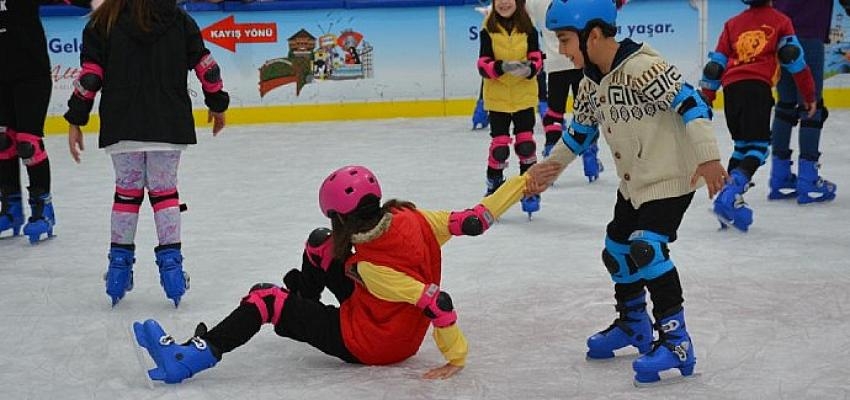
226 33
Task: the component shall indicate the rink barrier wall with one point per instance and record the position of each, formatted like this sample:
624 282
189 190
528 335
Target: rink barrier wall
833 98
421 61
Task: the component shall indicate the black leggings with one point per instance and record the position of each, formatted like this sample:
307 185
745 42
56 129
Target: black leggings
23 108
661 216
303 319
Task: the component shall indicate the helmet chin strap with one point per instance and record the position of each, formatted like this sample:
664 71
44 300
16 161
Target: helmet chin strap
582 45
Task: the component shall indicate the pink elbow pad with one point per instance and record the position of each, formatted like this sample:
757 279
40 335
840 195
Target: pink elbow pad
470 222
89 82
437 305
209 74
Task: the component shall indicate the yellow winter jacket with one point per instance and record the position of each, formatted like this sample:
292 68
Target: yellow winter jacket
509 93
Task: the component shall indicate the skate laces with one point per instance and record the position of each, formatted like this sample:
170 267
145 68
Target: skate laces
199 343
666 338
623 320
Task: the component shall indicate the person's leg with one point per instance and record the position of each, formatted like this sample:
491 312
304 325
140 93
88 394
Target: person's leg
162 168
751 103
129 194
31 98
811 187
658 223
632 327
500 141
11 203
553 120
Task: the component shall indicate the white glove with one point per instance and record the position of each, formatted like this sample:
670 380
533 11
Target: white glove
521 69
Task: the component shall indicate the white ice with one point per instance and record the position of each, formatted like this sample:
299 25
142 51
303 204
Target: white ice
769 311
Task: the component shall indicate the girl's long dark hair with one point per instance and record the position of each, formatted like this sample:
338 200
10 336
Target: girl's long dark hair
520 20
105 17
365 217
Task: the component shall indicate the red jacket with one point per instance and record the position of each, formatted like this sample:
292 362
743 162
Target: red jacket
749 40
380 332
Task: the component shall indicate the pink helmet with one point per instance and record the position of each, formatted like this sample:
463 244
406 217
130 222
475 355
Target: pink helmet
343 189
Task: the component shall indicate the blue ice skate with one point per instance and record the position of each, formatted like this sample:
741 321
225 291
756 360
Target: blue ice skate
592 164
632 328
729 206
493 184
479 116
119 274
530 204
174 362
173 279
811 188
41 219
11 213
542 107
783 183
673 349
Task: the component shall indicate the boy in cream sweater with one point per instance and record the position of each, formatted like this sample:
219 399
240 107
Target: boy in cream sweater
658 129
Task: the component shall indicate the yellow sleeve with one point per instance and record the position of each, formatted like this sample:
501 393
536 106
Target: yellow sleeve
388 284
439 221
452 344
506 197
498 203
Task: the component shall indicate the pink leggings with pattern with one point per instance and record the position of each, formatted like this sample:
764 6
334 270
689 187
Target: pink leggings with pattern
156 171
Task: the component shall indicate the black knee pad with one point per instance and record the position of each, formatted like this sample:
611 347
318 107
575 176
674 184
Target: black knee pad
525 149
642 253
501 153
610 262
5 141
26 150
318 236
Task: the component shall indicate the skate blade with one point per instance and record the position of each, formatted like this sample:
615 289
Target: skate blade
144 360
666 381
782 195
726 223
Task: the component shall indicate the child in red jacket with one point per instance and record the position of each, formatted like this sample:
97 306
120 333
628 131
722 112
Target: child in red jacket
382 263
751 47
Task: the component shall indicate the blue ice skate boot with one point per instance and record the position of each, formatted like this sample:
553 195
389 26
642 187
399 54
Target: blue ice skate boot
783 183
479 116
811 188
41 219
11 213
592 164
530 204
673 349
493 184
119 274
173 279
729 206
542 107
174 362
632 328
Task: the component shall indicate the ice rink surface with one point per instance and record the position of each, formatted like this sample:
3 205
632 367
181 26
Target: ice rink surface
768 311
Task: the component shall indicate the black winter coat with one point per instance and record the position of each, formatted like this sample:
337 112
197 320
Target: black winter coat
145 96
23 47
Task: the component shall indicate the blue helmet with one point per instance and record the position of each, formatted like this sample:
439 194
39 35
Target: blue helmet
578 14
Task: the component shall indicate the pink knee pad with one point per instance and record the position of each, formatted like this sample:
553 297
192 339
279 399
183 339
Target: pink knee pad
8 144
30 148
162 199
553 121
269 313
128 200
525 148
499 152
